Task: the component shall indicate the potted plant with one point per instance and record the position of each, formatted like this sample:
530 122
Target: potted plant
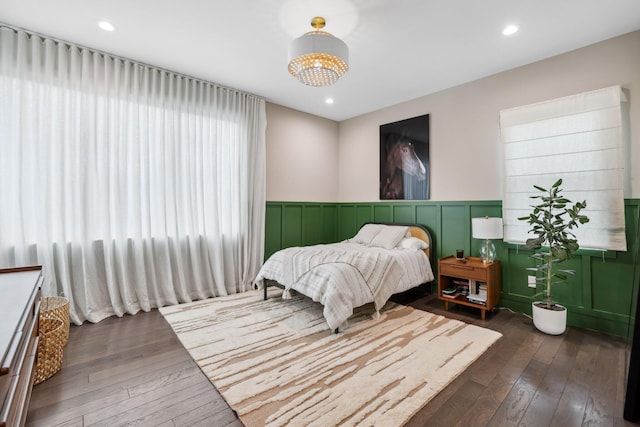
552 221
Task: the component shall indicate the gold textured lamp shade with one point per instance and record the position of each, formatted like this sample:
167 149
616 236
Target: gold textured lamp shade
317 58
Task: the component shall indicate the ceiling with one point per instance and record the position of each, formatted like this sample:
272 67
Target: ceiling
399 50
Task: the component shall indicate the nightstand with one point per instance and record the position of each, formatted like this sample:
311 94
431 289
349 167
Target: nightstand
469 282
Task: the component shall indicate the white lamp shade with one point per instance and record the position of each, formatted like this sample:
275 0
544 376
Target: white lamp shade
319 42
486 228
318 59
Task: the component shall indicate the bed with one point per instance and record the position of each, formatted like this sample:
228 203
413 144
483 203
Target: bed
379 261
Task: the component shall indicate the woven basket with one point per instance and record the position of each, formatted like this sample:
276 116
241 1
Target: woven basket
50 349
56 308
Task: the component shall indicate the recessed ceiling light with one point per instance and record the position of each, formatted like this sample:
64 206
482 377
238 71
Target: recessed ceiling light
106 25
329 100
510 29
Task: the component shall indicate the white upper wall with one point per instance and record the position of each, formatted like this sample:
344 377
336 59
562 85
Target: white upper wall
315 159
302 156
465 146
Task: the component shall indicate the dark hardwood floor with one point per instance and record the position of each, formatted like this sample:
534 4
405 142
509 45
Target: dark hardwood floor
134 371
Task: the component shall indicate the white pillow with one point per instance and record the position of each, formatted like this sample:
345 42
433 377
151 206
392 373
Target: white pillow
389 236
413 243
366 234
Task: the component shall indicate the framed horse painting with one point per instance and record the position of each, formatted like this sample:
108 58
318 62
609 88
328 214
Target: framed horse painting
404 159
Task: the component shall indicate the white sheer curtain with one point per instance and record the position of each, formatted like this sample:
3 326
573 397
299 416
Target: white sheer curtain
132 186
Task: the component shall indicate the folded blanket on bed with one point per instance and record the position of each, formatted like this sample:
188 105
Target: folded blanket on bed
340 276
380 272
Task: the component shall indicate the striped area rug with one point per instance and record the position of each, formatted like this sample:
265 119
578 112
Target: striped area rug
277 363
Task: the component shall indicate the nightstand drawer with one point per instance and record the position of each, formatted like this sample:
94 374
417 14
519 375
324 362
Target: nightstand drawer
464 271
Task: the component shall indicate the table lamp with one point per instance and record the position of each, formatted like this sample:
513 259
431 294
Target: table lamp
487 228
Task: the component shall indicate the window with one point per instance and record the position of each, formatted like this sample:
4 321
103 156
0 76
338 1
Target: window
133 186
580 139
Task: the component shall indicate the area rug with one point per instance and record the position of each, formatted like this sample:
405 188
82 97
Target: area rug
277 363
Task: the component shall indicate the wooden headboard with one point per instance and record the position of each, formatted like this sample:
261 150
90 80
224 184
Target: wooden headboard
417 230
423 234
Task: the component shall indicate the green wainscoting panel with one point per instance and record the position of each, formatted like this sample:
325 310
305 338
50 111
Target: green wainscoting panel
382 213
610 285
598 297
404 213
514 274
429 216
319 224
299 224
312 224
364 214
329 223
273 229
455 229
292 225
346 221
569 294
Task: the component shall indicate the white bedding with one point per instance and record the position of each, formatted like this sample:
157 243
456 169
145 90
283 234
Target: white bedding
343 276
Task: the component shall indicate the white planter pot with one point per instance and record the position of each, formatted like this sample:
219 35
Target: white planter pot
552 322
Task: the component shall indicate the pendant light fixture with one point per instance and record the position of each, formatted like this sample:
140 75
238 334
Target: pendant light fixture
317 58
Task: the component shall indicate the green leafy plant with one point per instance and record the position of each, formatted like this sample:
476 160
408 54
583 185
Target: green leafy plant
552 221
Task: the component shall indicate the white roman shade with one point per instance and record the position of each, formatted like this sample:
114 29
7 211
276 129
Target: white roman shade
578 138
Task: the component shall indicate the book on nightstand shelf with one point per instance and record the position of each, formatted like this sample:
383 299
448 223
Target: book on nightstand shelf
477 299
451 293
459 289
477 293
